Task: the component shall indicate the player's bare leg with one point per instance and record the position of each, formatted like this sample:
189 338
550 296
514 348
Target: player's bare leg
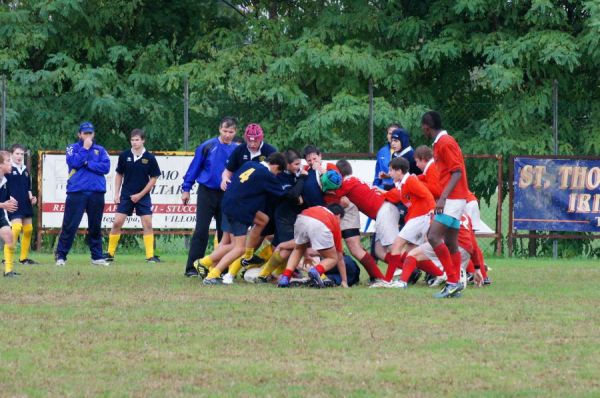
149 239
365 258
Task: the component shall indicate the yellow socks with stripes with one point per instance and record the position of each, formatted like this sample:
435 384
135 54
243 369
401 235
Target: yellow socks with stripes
113 242
214 273
248 253
25 241
149 245
271 265
265 252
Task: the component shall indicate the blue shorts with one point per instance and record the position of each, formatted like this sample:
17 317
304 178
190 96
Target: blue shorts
142 208
3 220
447 220
234 227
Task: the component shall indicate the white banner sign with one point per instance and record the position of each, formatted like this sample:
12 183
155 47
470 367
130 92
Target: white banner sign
168 211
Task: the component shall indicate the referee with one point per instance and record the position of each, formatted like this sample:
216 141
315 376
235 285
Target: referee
206 170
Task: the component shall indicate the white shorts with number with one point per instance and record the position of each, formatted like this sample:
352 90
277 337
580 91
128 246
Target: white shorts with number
308 229
428 251
455 208
415 230
351 219
472 210
386 224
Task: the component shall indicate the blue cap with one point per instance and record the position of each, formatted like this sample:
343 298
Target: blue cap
86 127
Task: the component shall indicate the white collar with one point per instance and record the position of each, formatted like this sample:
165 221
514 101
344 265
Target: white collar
428 165
254 154
20 168
399 184
406 150
137 157
440 135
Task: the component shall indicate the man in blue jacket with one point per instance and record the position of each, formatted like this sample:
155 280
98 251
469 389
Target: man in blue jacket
86 185
384 155
206 170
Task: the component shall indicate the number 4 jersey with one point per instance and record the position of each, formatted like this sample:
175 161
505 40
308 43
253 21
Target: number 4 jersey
248 190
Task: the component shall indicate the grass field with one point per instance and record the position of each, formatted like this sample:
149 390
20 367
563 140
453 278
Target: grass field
144 330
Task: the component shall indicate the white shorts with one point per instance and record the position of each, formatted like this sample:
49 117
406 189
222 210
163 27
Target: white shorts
430 254
472 210
465 257
415 230
308 229
386 224
455 208
351 219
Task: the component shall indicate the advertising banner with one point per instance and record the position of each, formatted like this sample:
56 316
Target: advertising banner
556 194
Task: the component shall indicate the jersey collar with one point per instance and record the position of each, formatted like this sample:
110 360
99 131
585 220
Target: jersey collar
255 154
399 184
427 166
405 150
20 168
138 157
440 135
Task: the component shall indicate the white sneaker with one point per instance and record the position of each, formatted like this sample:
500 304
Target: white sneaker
100 261
398 285
398 273
60 262
379 283
439 280
228 279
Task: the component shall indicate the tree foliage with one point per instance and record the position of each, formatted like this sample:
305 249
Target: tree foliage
302 68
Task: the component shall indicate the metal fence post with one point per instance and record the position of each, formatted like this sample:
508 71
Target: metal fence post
3 119
371 144
186 113
555 134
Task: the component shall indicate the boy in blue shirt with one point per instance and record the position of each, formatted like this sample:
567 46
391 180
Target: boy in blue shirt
7 203
19 186
88 163
137 172
244 202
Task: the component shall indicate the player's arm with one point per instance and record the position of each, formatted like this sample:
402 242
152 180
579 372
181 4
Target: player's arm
231 166
341 265
377 181
193 171
118 184
11 205
393 195
100 166
76 156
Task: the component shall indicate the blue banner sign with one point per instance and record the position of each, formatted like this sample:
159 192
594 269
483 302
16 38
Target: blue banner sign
556 194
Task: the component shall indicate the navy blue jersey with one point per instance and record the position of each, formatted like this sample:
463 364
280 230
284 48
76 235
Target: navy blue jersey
248 190
136 173
288 207
19 184
241 155
4 194
312 194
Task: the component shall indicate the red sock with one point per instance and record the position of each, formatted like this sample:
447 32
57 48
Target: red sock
320 269
442 252
456 260
394 263
407 269
471 267
430 267
288 273
371 266
404 255
387 257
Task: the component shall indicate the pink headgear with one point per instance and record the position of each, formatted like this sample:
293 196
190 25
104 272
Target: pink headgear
254 132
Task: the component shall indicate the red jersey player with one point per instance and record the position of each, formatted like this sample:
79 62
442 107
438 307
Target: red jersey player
449 208
319 226
431 175
420 204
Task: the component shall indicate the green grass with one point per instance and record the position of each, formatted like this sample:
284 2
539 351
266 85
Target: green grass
144 330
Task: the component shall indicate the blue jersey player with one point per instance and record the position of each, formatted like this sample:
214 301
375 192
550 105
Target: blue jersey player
137 172
19 186
88 163
244 202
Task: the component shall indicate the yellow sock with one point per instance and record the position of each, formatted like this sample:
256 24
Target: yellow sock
9 251
149 245
216 241
236 266
214 273
206 261
25 241
249 253
273 263
265 252
113 242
